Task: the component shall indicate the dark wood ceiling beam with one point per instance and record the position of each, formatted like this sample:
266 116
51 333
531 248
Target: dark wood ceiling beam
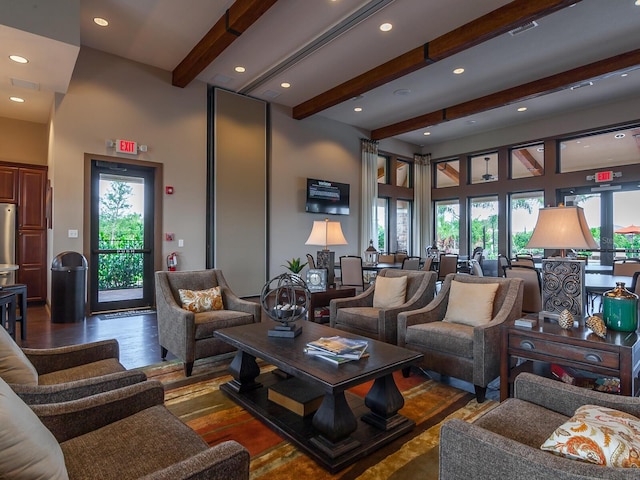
236 20
529 161
537 88
491 25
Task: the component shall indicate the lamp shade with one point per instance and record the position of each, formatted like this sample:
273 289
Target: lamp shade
325 233
561 228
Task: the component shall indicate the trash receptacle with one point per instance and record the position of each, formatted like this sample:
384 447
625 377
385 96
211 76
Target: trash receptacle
68 280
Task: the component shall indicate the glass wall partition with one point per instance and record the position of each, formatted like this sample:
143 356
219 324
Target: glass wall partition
626 223
483 213
447 174
448 225
484 168
527 161
383 215
524 208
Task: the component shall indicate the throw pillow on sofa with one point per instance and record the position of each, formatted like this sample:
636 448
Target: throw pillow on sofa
389 292
470 303
15 367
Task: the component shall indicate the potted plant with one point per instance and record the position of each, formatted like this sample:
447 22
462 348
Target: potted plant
295 266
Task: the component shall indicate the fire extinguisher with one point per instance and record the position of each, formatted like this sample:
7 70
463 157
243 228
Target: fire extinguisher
172 261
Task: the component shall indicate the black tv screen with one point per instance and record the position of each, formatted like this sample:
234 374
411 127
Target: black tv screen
327 197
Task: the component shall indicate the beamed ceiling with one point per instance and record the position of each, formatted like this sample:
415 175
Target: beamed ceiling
550 56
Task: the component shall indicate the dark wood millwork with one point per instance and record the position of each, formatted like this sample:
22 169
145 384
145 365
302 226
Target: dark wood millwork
534 89
8 184
25 185
489 26
236 20
617 355
333 436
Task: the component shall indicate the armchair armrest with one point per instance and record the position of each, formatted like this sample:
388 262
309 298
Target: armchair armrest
365 299
466 448
233 302
225 461
565 399
71 419
64 392
49 360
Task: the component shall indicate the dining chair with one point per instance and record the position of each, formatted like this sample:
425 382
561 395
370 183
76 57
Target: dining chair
399 256
532 297
351 271
476 268
386 258
626 267
428 263
522 262
411 263
503 262
448 264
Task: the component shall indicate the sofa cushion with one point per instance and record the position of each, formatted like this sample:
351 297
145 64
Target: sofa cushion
470 303
27 449
198 301
209 322
89 370
359 318
599 435
389 292
450 338
15 367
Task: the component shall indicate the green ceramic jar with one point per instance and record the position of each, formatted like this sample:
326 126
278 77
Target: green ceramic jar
620 309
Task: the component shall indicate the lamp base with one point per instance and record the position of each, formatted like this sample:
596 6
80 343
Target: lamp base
327 259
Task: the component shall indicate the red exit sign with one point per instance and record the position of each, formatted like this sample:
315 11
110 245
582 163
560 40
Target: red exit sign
605 176
126 146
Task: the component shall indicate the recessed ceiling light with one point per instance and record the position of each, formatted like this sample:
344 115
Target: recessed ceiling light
638 3
522 109
458 71
18 59
357 109
240 69
385 27
285 84
426 134
100 21
619 135
624 75
17 99
402 92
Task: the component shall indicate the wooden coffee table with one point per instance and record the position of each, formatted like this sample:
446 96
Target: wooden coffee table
334 436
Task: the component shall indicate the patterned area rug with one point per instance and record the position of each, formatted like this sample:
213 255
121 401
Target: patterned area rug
199 403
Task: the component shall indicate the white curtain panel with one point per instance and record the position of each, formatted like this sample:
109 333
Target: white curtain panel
368 202
422 234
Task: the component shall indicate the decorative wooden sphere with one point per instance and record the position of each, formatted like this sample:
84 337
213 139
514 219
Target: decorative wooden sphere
565 320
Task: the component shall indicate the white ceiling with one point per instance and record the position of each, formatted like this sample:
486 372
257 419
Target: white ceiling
162 32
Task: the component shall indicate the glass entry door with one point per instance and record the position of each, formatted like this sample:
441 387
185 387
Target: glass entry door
121 266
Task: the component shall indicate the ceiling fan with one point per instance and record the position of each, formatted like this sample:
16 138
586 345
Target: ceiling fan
487 176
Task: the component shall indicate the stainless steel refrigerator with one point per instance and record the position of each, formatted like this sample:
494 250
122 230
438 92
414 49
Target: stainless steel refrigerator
7 243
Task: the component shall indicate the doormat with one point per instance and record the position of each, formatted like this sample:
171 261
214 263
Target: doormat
125 313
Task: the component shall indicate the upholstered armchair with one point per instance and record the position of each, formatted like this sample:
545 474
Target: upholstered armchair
63 373
122 434
372 315
459 332
188 334
504 443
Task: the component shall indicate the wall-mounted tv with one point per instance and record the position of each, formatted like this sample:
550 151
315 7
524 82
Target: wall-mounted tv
327 197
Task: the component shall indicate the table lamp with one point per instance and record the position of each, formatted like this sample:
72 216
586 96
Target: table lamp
563 285
325 233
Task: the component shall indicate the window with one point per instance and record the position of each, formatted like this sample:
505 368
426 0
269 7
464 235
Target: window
447 174
395 203
626 226
527 161
484 225
524 215
593 152
448 225
484 168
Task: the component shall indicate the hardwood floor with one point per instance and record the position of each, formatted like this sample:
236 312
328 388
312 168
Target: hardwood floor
137 335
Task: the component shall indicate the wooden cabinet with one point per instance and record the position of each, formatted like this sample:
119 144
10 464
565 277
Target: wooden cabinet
25 186
8 184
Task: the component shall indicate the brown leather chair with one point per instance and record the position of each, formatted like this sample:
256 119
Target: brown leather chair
532 297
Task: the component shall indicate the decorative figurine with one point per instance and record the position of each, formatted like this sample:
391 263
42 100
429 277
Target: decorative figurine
596 324
565 320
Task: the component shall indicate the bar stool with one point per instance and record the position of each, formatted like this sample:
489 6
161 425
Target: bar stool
20 289
8 312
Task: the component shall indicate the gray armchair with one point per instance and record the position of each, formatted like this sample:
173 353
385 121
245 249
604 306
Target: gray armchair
470 353
188 335
122 434
505 442
358 315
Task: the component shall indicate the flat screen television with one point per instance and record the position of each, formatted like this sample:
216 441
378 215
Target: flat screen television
327 197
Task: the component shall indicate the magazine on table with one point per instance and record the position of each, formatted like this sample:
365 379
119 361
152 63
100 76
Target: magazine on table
336 349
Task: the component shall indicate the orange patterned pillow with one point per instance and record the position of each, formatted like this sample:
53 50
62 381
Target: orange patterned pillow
198 301
599 435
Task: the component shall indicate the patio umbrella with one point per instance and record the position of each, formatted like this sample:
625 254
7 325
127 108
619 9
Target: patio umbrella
630 230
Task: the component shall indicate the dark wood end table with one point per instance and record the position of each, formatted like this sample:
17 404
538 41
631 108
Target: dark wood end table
617 355
324 297
344 428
